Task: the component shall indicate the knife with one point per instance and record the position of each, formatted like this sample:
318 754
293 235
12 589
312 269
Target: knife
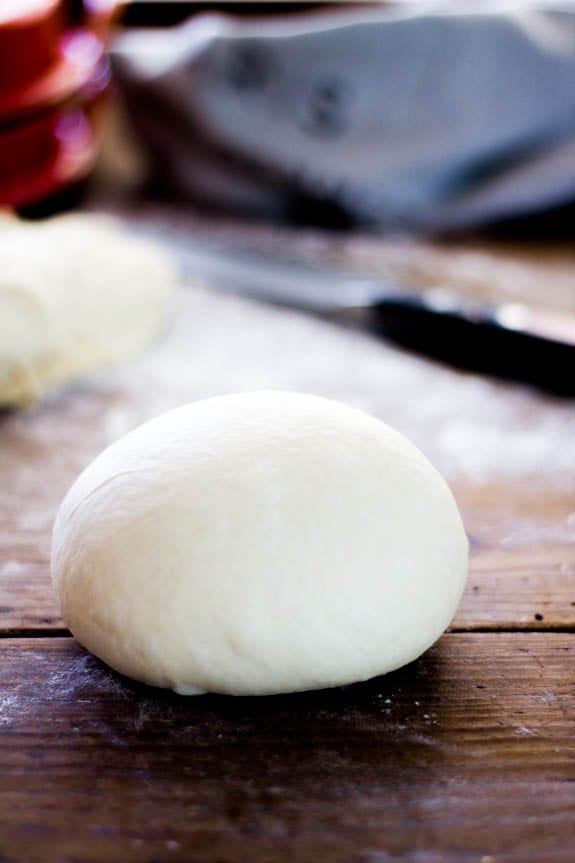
511 340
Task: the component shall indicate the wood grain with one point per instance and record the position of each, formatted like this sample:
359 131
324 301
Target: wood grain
522 559
506 451
466 755
522 567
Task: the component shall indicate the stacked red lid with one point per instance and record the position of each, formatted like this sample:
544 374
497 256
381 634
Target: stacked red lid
53 75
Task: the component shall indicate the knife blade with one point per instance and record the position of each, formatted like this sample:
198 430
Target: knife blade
510 340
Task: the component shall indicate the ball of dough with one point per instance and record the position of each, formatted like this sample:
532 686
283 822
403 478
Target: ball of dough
77 292
259 543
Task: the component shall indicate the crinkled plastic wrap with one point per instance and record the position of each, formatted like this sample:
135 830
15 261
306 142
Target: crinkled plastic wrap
400 118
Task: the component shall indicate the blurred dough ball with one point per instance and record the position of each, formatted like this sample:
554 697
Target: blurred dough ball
259 543
76 293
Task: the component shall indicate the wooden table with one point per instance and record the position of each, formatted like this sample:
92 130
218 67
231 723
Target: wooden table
465 756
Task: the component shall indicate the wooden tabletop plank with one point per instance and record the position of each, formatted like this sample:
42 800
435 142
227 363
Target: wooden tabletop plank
522 564
522 556
507 451
466 755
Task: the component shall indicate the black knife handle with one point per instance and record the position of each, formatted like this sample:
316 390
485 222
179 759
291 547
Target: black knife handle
475 342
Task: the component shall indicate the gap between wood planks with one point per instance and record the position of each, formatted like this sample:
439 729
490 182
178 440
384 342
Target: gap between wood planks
62 632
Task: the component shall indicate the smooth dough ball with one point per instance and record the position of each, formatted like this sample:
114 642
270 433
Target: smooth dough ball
77 292
259 543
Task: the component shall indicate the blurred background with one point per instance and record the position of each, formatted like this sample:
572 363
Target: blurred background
420 153
404 116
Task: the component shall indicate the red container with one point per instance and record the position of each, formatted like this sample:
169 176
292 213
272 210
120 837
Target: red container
53 78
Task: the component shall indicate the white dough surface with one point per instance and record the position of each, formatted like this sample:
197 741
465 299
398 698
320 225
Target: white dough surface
77 292
259 543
